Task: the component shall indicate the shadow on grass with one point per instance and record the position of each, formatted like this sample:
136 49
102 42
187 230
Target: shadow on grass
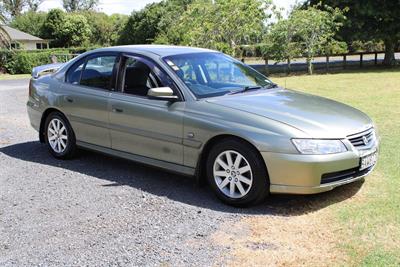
119 172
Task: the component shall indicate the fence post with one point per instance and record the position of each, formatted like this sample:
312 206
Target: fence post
327 63
361 60
376 58
344 61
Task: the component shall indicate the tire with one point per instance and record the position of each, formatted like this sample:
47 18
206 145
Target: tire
59 136
250 173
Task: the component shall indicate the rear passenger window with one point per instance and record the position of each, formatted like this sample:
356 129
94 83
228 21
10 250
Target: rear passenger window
98 72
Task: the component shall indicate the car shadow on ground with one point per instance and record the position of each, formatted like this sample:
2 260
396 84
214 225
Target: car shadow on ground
119 172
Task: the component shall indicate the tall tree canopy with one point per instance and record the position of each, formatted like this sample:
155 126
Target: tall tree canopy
370 19
30 22
142 26
79 5
66 29
222 24
307 32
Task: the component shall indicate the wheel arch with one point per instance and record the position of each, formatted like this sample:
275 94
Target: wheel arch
45 114
201 168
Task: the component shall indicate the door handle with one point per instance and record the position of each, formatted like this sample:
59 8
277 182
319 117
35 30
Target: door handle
69 99
117 110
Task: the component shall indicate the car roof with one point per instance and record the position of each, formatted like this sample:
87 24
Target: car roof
160 50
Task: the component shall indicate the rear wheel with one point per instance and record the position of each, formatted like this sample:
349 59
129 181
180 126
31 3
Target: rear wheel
236 173
59 136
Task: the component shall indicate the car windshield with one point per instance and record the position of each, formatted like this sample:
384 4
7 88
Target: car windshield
214 74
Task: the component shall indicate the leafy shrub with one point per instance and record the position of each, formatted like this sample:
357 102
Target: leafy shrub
22 61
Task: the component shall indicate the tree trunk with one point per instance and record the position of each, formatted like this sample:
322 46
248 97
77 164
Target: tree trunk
389 59
310 66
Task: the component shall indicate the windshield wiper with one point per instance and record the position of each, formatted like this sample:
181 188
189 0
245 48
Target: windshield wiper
245 89
272 85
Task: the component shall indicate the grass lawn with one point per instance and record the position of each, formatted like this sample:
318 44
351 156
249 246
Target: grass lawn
13 76
369 232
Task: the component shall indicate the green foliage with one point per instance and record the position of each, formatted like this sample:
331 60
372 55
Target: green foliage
280 42
368 46
310 31
75 31
65 30
142 26
22 62
104 29
53 25
224 25
369 20
30 22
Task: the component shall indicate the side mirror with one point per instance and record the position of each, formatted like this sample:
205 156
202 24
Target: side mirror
162 93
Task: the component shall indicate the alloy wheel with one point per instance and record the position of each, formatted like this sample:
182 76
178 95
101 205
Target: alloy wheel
57 135
232 174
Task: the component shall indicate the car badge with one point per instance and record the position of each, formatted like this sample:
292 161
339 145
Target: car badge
365 140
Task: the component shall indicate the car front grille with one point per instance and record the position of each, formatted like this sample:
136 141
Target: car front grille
363 140
343 175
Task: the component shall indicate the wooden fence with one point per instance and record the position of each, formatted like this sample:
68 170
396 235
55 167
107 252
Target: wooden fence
357 59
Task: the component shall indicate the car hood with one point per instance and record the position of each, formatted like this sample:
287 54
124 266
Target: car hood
316 116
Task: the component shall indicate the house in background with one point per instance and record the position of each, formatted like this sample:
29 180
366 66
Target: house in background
22 40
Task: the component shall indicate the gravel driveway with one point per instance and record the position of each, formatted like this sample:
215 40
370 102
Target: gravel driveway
98 210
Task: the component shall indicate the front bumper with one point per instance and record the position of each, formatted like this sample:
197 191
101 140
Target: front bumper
310 174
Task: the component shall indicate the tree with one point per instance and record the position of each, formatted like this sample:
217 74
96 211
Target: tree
66 29
142 26
104 29
79 5
30 22
172 11
34 4
4 37
280 43
314 30
75 31
370 20
52 27
13 7
223 25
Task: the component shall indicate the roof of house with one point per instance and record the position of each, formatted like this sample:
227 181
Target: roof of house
16 35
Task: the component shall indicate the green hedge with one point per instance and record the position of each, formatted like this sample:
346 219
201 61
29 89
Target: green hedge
22 62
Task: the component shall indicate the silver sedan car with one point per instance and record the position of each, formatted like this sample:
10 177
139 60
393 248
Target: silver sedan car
201 113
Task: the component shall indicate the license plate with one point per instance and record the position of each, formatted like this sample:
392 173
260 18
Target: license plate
368 161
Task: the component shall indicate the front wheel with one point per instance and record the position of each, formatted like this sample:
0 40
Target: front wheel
59 136
236 173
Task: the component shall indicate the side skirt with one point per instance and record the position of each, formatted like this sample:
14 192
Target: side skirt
171 167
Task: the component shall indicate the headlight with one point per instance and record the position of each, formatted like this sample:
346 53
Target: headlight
319 146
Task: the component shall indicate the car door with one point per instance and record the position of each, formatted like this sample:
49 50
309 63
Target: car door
142 126
85 97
